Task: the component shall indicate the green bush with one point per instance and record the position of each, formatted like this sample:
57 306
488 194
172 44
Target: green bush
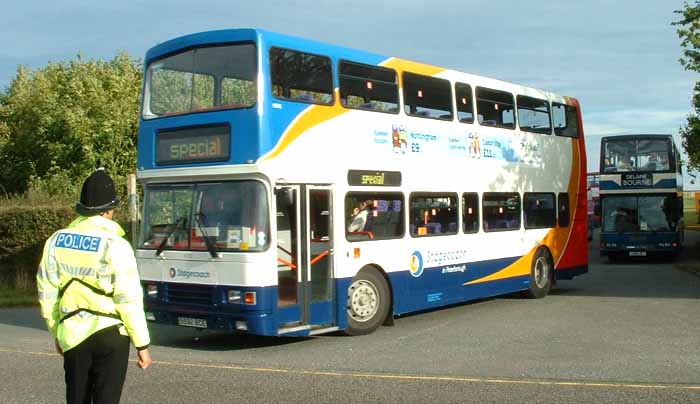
60 122
23 231
25 225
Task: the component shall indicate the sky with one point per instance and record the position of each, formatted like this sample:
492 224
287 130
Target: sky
619 58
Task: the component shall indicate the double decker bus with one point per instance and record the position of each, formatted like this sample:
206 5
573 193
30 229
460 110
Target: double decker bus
293 187
641 193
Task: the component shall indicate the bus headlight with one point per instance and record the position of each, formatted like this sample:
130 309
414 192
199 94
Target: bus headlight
251 298
233 296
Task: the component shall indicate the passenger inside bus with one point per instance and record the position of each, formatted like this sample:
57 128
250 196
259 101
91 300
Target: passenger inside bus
656 163
625 164
359 217
624 220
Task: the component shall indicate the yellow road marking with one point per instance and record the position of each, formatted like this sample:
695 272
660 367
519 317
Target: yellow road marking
383 376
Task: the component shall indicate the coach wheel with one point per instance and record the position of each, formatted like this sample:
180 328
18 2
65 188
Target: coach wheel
368 302
541 274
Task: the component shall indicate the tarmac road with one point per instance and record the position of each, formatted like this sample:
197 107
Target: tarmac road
623 333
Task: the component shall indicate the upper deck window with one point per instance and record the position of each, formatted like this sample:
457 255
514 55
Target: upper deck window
565 120
533 115
620 155
366 87
300 76
465 106
427 96
201 79
495 108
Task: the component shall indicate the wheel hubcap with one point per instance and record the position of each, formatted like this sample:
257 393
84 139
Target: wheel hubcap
363 300
541 272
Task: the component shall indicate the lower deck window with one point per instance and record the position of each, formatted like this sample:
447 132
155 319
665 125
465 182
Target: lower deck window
563 209
433 214
373 216
501 211
470 212
539 210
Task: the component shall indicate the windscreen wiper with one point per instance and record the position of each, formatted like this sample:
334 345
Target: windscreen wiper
174 227
200 217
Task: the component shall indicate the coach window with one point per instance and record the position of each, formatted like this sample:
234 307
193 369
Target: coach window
495 108
463 100
433 214
539 210
501 211
374 216
533 115
301 77
470 212
427 96
565 120
563 209
367 87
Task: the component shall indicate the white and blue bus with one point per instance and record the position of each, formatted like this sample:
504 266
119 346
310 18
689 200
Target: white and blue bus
641 196
293 187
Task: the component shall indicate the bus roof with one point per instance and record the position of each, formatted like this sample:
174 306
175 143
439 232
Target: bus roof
335 52
637 136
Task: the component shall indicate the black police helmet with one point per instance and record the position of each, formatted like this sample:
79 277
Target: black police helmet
98 194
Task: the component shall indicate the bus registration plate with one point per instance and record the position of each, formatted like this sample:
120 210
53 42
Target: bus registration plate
638 253
192 322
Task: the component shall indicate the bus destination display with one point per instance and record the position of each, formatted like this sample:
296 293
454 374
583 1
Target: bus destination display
374 178
193 145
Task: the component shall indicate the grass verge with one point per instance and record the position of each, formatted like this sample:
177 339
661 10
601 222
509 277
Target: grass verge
691 265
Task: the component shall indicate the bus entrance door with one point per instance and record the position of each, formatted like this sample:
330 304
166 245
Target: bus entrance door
304 259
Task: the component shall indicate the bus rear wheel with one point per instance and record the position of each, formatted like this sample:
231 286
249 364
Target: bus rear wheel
368 302
541 274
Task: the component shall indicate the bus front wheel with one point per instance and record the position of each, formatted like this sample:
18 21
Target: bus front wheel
368 302
541 274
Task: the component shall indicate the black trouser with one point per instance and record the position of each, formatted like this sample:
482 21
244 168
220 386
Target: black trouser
96 368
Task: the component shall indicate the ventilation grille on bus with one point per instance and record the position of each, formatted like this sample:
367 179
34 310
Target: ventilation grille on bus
199 295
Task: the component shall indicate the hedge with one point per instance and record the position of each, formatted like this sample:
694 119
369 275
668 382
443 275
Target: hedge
23 232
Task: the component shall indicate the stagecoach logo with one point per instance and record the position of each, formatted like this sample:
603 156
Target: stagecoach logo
416 264
188 274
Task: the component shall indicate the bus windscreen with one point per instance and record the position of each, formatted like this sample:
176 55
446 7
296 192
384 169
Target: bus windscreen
633 214
230 216
622 155
201 79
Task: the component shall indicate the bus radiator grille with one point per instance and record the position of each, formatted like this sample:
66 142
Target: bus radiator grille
185 294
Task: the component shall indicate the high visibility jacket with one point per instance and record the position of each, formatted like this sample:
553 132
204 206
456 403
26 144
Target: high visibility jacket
88 281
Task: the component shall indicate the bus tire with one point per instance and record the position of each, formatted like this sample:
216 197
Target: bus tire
541 275
368 302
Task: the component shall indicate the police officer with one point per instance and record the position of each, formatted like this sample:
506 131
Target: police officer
91 297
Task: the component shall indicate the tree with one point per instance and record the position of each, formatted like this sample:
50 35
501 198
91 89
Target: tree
689 33
61 122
